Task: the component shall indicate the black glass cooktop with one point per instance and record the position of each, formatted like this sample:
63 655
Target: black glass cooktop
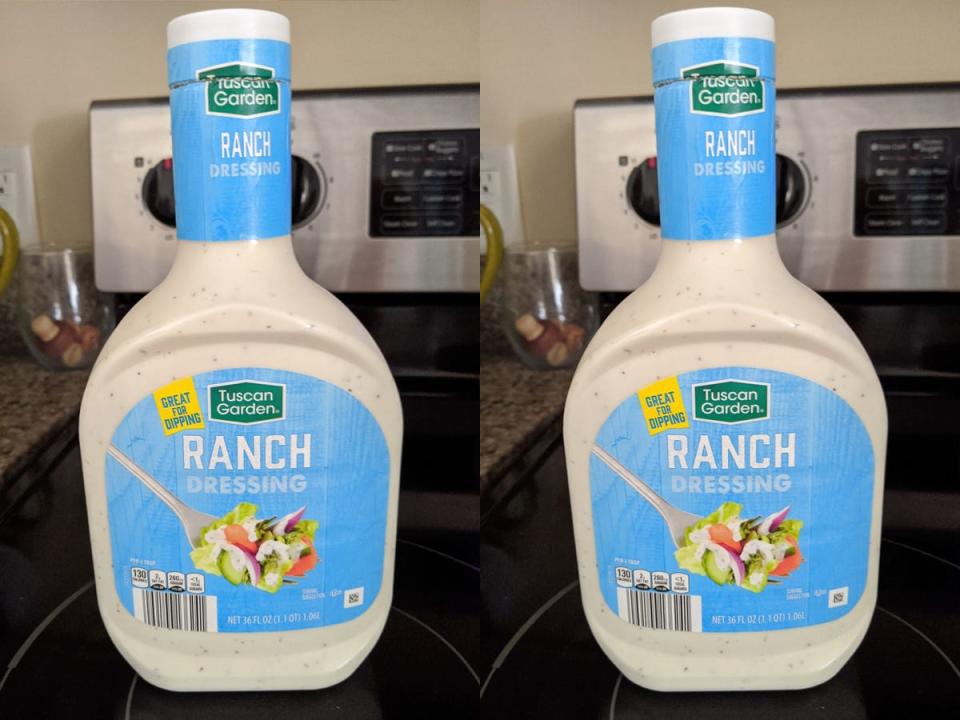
59 663
549 665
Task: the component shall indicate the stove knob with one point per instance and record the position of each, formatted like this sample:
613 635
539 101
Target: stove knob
158 192
309 190
642 192
791 189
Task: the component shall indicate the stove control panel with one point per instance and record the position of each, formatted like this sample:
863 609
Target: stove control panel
908 182
868 188
425 184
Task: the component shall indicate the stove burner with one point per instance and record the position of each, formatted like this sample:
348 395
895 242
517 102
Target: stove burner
416 664
552 667
411 666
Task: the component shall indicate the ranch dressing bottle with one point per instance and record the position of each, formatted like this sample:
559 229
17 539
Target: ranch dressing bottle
241 431
725 431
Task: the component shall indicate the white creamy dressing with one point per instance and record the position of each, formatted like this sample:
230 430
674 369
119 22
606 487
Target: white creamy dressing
250 527
756 579
764 528
237 557
735 529
274 547
720 553
752 547
780 550
218 544
701 536
708 304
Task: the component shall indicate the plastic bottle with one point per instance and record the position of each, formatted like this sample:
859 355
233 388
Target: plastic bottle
240 431
725 431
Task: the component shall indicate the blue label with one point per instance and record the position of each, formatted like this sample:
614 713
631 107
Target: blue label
230 114
764 484
247 500
714 100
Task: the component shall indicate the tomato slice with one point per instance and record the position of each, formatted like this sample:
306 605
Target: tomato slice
236 535
307 562
722 535
791 563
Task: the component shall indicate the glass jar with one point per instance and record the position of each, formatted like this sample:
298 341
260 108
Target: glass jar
63 318
547 316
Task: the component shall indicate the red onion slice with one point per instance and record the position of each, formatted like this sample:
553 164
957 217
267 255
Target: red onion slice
736 564
772 522
287 522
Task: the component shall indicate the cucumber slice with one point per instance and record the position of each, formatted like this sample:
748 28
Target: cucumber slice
233 576
721 576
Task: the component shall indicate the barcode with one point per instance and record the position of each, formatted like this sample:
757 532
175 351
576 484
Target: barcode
660 611
175 612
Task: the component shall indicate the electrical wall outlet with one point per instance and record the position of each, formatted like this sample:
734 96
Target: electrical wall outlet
499 191
16 192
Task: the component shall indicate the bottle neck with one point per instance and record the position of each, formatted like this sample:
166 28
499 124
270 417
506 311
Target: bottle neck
241 263
747 257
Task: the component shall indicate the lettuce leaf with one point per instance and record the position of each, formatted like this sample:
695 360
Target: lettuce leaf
791 527
203 559
728 511
240 513
686 559
304 527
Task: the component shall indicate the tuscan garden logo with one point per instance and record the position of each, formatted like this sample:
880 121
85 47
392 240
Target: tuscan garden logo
731 401
241 90
724 88
247 402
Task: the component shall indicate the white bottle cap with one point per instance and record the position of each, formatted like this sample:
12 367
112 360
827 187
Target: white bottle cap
228 25
712 22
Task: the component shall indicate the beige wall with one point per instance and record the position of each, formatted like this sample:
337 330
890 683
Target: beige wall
541 55
533 58
58 56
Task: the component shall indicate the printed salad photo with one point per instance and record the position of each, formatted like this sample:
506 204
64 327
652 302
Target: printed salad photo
745 553
263 553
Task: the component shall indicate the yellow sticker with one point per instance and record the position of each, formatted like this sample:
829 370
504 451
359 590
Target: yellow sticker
662 405
179 406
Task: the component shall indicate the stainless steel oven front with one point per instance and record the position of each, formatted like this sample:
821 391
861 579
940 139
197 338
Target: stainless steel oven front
868 188
385 189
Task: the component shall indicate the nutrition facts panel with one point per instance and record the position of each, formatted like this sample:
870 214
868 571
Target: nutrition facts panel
908 182
425 184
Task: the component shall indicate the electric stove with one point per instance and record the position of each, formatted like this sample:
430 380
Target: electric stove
548 664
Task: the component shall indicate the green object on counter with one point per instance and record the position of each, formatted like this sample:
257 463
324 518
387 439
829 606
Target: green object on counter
493 231
10 245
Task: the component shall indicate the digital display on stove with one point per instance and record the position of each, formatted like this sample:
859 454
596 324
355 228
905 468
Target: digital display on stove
908 182
425 184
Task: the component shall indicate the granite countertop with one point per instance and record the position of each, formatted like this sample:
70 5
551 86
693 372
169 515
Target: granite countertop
35 404
517 406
